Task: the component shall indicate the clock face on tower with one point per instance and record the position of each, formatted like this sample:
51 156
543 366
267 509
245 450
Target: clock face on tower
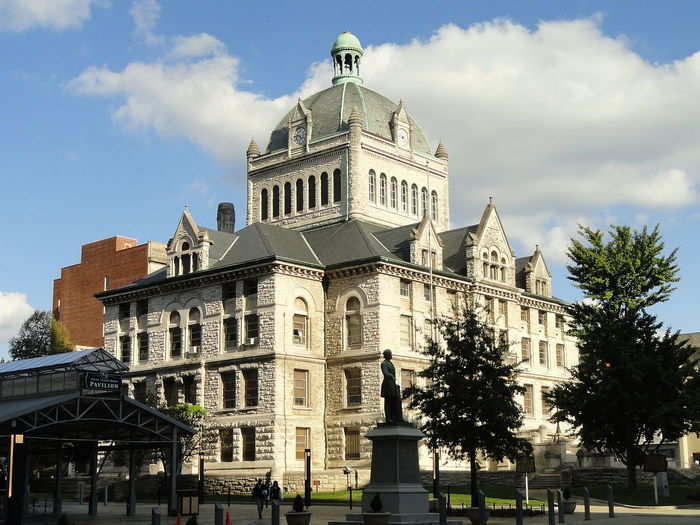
403 137
300 135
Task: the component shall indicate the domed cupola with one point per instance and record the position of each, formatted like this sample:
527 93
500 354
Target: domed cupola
347 53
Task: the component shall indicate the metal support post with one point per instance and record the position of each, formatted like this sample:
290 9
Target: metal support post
552 520
172 485
611 502
92 505
350 495
482 507
155 516
131 502
307 481
560 506
443 509
586 504
218 514
58 495
518 507
656 491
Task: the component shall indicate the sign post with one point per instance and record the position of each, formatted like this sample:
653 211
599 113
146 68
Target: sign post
525 465
655 463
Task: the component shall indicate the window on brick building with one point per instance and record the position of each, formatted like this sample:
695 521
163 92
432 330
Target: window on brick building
251 329
352 443
301 388
542 317
228 390
287 198
336 186
230 333
170 391
142 308
140 391
353 323
546 407
544 354
394 193
503 309
125 347
324 189
560 355
300 322
408 378
372 186
312 192
525 314
424 202
248 443
434 205
414 200
454 301
404 196
405 332
405 288
175 333
194 328
353 386
559 321
528 401
189 387
302 441
382 189
427 291
275 202
525 348
143 346
250 385
228 291
300 195
263 205
124 310
226 444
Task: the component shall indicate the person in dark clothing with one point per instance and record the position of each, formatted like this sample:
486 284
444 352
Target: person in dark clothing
276 492
259 497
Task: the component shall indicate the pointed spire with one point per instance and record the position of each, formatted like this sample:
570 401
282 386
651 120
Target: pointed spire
355 119
441 152
253 149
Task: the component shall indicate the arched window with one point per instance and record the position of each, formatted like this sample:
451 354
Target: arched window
324 189
195 329
503 274
414 199
486 270
424 202
287 198
404 196
300 195
372 186
494 256
348 63
382 189
177 266
353 323
263 205
275 201
185 263
434 205
300 322
336 186
195 262
312 192
394 192
175 333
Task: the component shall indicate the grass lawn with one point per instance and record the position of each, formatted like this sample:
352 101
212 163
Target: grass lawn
644 495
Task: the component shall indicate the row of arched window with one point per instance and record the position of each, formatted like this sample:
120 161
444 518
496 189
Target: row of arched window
390 196
304 197
492 269
189 261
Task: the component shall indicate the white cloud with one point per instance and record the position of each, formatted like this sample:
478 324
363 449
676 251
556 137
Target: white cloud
145 14
559 123
20 15
14 310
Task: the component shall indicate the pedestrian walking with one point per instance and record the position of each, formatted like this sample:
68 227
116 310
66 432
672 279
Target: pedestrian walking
276 492
258 497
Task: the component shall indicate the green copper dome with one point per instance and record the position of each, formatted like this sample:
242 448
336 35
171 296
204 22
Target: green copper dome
346 40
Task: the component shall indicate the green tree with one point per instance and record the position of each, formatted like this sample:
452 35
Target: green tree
60 339
469 399
631 389
38 336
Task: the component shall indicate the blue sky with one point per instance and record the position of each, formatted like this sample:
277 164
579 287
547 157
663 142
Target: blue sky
117 114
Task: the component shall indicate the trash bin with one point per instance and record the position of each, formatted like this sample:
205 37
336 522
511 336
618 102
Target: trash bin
188 502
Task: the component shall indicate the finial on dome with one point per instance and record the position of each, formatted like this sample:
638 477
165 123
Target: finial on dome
253 149
490 200
346 54
441 152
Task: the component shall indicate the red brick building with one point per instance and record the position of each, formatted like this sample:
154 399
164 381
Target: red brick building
106 264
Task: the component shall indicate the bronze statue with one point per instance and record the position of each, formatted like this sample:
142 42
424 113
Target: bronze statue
391 392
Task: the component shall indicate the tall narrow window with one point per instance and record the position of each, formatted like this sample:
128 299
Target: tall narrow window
405 332
527 401
248 443
544 354
424 202
228 389
525 314
336 186
226 444
175 335
275 201
353 322
525 349
352 443
195 329
301 388
250 380
324 189
287 198
561 358
394 192
302 441
353 386
405 288
300 321
546 407
263 205
189 387
195 262
140 391
230 333
559 321
251 328
414 200
125 345
372 186
185 258
300 195
170 392
382 189
143 346
312 192
434 205
542 317
404 196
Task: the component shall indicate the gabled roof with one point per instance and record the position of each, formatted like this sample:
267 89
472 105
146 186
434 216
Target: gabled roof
454 257
93 359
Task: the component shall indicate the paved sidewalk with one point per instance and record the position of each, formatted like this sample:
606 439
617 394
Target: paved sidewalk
242 514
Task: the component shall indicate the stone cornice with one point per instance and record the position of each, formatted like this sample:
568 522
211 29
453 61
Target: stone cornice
294 163
378 152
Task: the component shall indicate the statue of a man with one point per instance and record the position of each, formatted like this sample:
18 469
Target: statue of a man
390 391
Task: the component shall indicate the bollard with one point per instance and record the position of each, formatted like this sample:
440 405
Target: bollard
275 512
483 516
228 501
560 505
586 504
611 502
218 514
155 516
518 507
442 507
350 495
449 500
550 508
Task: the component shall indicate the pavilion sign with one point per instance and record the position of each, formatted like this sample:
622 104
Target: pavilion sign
100 382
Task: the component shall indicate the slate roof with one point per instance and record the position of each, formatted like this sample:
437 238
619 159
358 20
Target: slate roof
89 359
453 254
331 108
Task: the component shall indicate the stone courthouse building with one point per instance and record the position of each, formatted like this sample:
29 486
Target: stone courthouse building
278 328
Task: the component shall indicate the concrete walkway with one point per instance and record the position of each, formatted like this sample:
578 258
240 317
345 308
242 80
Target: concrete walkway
242 514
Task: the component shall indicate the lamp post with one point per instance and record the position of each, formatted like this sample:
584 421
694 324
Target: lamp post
307 481
201 476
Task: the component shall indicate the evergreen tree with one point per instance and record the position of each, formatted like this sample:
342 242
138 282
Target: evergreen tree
60 339
631 389
34 337
469 400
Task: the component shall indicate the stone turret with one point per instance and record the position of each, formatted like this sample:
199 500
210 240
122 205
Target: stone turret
226 217
441 152
253 149
346 53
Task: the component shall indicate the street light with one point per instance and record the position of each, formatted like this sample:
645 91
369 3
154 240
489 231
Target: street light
201 476
307 481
